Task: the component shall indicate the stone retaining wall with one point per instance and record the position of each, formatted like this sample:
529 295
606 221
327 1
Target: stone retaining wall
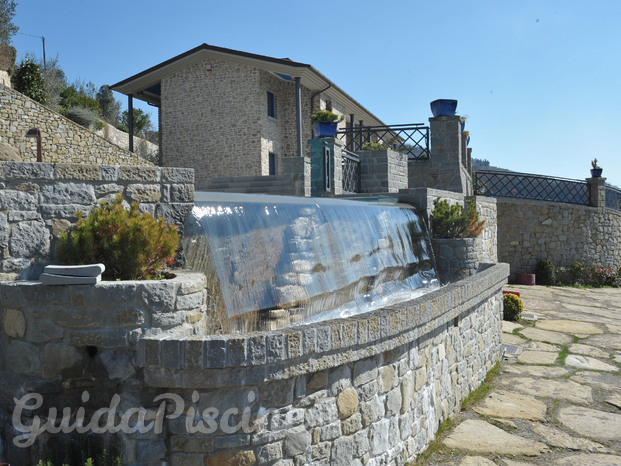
62 140
38 202
530 231
61 340
369 389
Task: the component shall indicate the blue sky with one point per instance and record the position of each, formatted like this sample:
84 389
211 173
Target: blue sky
539 80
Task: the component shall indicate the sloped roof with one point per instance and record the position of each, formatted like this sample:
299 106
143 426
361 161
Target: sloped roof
146 84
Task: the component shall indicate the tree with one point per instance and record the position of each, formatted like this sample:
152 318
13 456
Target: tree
7 28
109 106
142 122
72 97
27 79
54 80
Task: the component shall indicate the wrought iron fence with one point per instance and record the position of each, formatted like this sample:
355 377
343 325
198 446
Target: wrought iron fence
412 139
613 198
528 186
351 172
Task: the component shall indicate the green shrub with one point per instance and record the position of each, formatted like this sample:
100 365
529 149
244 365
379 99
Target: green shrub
375 146
325 116
513 307
453 221
604 276
132 245
546 273
82 116
27 79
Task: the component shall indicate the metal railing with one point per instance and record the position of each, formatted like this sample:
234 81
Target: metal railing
350 172
412 139
613 198
529 186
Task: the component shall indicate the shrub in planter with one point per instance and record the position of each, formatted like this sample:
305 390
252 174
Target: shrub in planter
132 245
513 307
453 221
546 273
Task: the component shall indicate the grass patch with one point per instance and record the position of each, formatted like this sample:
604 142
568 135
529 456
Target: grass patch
563 355
435 447
478 394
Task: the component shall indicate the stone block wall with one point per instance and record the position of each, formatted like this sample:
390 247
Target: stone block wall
62 140
383 171
450 165
214 119
60 341
530 231
211 120
38 202
367 389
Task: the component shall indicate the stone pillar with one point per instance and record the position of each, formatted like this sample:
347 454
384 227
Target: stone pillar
383 171
598 192
448 167
298 169
326 167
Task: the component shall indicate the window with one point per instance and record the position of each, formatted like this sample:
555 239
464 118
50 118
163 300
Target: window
271 104
272 163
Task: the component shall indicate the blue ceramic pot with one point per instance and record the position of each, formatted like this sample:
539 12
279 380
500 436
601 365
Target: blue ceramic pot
443 107
596 172
325 130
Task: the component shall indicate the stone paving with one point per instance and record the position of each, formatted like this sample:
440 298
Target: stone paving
557 400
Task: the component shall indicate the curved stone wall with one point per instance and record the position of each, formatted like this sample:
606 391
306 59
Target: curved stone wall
367 388
530 231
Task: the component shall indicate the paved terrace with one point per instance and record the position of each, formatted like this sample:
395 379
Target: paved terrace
557 400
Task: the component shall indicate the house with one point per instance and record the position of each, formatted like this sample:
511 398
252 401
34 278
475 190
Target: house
229 113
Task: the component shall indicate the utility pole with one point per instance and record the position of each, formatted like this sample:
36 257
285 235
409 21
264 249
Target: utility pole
42 40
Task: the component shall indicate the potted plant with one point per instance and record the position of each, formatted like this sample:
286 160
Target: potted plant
325 123
596 171
467 136
443 107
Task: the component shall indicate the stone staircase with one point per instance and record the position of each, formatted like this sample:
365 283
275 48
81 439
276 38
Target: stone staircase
278 184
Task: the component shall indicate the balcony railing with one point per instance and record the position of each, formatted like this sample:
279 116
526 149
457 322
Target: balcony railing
351 172
412 139
613 198
528 186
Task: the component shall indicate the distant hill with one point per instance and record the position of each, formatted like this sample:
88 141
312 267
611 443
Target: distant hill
483 164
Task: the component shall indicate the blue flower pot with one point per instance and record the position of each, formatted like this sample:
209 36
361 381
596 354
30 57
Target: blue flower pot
596 172
443 107
325 130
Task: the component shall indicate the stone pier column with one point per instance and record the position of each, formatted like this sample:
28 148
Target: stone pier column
326 167
449 167
598 192
298 169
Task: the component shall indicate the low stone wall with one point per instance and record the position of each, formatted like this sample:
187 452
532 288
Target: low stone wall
483 249
383 171
455 258
367 389
530 231
62 139
38 202
61 340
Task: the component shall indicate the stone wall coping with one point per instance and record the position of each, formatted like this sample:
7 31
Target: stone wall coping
230 360
19 171
564 205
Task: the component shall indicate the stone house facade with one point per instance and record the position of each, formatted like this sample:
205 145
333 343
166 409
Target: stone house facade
228 113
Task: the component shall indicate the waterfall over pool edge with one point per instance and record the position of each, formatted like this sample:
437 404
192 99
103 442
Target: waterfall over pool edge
272 261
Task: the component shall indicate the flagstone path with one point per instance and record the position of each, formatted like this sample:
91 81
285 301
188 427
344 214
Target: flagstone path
557 400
